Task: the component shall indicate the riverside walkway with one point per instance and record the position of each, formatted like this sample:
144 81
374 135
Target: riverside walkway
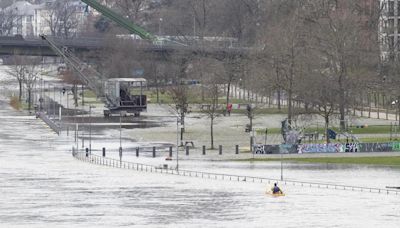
111 162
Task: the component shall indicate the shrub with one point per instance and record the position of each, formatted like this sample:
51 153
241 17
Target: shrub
14 102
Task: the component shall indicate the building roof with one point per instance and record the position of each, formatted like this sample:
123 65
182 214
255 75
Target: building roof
23 8
5 3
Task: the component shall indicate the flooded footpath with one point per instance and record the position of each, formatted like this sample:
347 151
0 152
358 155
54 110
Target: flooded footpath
42 185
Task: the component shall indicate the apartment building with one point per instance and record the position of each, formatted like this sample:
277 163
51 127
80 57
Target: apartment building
389 29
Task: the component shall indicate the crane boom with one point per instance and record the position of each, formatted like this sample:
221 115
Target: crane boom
131 27
78 66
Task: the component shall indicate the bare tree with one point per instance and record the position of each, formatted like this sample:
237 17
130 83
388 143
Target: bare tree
343 41
240 19
63 19
25 70
30 77
213 111
69 77
323 95
7 21
286 45
133 9
18 71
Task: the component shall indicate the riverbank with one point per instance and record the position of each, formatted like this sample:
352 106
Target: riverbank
376 160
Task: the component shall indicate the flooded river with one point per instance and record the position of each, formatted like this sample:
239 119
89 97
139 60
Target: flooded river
42 185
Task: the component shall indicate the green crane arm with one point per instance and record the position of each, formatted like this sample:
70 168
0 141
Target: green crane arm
120 20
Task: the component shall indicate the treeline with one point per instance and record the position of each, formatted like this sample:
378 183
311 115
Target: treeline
322 53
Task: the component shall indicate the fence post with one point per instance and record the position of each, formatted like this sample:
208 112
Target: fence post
236 149
187 150
220 149
104 152
170 151
204 150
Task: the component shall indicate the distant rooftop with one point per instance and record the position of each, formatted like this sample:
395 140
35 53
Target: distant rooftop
23 8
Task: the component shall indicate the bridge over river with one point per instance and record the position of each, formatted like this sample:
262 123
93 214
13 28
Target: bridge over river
39 47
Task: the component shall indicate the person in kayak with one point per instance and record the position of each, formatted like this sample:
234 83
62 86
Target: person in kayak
276 189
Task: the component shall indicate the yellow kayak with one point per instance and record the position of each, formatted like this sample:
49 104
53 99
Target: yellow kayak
275 195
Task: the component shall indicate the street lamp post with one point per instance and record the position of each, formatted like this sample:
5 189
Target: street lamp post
41 94
68 100
159 27
265 139
120 130
90 128
54 101
280 151
177 142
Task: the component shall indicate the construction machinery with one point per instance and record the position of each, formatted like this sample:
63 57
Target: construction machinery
125 95
125 23
121 95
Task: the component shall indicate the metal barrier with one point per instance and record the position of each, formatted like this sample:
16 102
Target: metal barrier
49 122
99 160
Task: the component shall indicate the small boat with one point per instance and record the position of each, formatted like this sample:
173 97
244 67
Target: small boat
274 194
168 159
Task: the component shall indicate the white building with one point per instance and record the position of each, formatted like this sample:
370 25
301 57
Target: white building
23 14
32 20
389 29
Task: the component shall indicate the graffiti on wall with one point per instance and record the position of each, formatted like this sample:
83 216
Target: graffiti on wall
351 147
266 149
327 148
320 148
376 147
258 149
396 146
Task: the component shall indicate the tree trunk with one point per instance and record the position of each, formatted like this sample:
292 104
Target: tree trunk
290 108
75 93
398 108
326 128
83 95
228 93
157 85
202 87
212 132
29 99
20 90
369 105
279 99
342 111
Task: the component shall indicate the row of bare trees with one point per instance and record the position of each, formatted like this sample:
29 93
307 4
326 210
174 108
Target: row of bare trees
26 71
321 53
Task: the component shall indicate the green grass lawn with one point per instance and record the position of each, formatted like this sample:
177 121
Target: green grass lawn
393 160
373 129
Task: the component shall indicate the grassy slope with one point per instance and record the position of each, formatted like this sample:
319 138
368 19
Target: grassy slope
394 161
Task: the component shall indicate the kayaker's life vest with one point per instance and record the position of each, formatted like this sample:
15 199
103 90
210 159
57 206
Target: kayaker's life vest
276 189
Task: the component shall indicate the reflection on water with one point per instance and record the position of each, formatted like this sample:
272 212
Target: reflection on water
43 186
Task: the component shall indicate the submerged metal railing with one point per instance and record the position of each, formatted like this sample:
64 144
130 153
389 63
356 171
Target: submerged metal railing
105 161
43 116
